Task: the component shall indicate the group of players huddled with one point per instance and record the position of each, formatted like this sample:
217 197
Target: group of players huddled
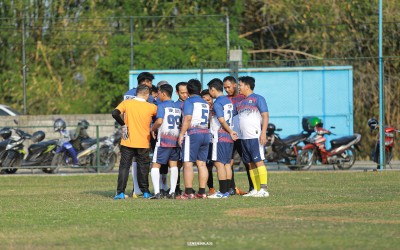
194 129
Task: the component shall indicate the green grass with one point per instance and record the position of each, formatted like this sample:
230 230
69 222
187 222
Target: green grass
306 210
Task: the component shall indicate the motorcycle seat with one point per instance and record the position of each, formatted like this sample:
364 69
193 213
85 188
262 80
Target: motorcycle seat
86 143
37 146
342 141
292 138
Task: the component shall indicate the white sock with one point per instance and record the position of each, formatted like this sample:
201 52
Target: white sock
164 177
134 179
174 179
155 178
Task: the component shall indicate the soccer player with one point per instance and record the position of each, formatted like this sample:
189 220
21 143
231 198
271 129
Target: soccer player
253 119
231 88
194 139
205 94
166 151
181 91
223 136
135 141
144 78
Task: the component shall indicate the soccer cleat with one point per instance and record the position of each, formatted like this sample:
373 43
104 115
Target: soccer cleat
211 191
226 195
201 196
186 196
251 193
119 196
261 193
240 192
134 196
147 195
156 196
231 191
217 195
178 192
171 196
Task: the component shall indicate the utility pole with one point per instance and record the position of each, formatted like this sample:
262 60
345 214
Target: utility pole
24 67
131 33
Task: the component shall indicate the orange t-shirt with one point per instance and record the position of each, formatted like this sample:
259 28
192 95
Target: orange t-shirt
138 115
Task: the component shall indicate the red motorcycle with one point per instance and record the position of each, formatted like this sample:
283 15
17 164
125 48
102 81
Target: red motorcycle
389 142
342 153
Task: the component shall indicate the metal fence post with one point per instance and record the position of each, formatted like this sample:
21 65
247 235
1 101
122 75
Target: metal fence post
98 149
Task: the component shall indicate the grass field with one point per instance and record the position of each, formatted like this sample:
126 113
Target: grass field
306 210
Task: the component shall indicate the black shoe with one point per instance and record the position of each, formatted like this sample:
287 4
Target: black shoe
156 196
171 196
178 192
231 191
163 193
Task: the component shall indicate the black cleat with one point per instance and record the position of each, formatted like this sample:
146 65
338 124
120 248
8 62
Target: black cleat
231 191
156 196
171 196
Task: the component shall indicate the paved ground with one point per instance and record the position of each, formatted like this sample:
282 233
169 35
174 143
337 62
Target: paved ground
358 166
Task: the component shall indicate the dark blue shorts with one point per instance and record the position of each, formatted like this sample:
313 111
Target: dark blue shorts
163 154
253 151
222 152
195 147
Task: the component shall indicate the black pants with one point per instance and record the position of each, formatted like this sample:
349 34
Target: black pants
237 146
143 166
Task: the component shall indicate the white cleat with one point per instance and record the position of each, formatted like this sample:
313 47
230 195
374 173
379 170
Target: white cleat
251 193
217 195
261 193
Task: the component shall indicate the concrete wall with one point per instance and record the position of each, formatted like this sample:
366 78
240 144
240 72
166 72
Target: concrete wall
32 123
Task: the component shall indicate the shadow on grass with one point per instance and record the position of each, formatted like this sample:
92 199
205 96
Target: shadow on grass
103 193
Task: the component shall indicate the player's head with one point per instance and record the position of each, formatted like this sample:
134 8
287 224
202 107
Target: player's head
246 85
215 87
145 78
194 87
181 90
154 91
143 91
205 94
165 92
230 85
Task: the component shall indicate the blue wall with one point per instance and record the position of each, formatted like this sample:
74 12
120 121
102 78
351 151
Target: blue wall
291 93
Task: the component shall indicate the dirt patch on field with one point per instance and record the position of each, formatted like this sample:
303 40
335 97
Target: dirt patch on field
284 212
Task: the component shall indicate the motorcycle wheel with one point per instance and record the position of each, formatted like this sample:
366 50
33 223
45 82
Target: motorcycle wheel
305 159
9 162
48 170
107 161
351 155
58 162
388 158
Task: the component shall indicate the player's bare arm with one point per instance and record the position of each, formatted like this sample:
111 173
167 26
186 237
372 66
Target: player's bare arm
225 125
264 125
185 126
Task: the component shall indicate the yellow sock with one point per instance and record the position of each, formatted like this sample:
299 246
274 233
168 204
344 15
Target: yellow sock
255 178
262 174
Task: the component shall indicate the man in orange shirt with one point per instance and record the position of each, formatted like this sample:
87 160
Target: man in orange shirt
135 141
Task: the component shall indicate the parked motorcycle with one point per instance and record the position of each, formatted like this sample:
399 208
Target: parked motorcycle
283 150
14 152
5 133
342 153
108 148
40 153
389 142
